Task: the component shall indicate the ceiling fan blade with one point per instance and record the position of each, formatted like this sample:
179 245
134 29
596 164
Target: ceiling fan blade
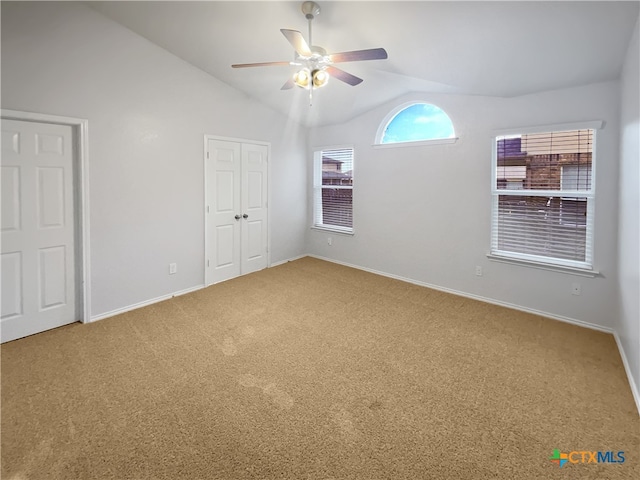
297 41
357 55
288 84
261 64
343 76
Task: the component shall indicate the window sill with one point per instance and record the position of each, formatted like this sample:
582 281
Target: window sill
421 143
333 230
582 272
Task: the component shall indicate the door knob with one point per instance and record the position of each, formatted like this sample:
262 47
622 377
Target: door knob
237 217
245 216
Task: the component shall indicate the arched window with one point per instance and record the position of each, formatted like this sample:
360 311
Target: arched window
416 122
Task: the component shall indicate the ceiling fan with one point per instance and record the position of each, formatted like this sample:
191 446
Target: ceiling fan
316 64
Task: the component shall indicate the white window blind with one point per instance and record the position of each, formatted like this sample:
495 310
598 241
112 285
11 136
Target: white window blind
575 178
543 197
333 189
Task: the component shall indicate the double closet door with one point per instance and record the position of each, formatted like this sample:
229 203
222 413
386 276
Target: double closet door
236 209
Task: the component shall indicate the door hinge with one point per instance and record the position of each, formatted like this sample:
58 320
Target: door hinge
207 154
207 263
207 208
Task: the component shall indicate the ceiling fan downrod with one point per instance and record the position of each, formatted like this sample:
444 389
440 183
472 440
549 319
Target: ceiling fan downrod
310 10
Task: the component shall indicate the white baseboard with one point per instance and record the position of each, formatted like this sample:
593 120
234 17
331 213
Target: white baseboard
580 323
627 368
282 262
145 303
135 306
552 316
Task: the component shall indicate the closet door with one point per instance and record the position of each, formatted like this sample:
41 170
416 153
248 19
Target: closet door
236 210
254 208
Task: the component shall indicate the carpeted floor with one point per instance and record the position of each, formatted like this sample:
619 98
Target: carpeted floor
311 370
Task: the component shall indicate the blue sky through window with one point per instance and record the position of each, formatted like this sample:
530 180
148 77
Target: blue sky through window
420 121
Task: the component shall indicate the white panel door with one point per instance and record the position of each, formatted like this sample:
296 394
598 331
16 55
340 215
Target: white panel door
38 256
236 209
254 208
223 225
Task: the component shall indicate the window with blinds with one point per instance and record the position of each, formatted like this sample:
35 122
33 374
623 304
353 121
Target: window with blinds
543 197
333 189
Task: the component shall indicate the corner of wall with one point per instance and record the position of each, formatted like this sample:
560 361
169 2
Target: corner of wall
627 326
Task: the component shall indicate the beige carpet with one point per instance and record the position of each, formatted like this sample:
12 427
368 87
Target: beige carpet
312 370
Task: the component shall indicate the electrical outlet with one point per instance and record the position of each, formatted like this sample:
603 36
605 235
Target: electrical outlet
329 241
575 289
173 268
478 270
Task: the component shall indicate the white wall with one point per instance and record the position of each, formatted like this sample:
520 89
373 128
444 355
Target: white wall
628 327
423 213
148 112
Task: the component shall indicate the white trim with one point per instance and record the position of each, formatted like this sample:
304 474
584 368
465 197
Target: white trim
556 127
523 192
293 259
350 232
388 118
573 321
339 146
145 303
582 272
205 156
81 166
627 369
235 139
418 143
552 316
269 190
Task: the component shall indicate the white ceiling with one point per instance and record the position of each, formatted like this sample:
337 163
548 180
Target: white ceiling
477 48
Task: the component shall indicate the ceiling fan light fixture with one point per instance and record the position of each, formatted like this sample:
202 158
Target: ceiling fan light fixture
314 63
302 78
320 78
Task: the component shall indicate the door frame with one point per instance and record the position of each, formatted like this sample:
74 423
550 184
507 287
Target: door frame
80 128
205 156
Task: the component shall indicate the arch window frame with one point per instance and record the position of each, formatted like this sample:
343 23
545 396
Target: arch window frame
388 119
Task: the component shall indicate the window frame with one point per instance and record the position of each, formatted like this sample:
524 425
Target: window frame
382 128
318 186
586 268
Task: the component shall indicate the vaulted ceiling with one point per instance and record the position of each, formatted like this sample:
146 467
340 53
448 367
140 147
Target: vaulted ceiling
476 48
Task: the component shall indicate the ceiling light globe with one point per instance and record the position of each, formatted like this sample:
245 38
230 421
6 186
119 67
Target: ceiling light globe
302 78
320 78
